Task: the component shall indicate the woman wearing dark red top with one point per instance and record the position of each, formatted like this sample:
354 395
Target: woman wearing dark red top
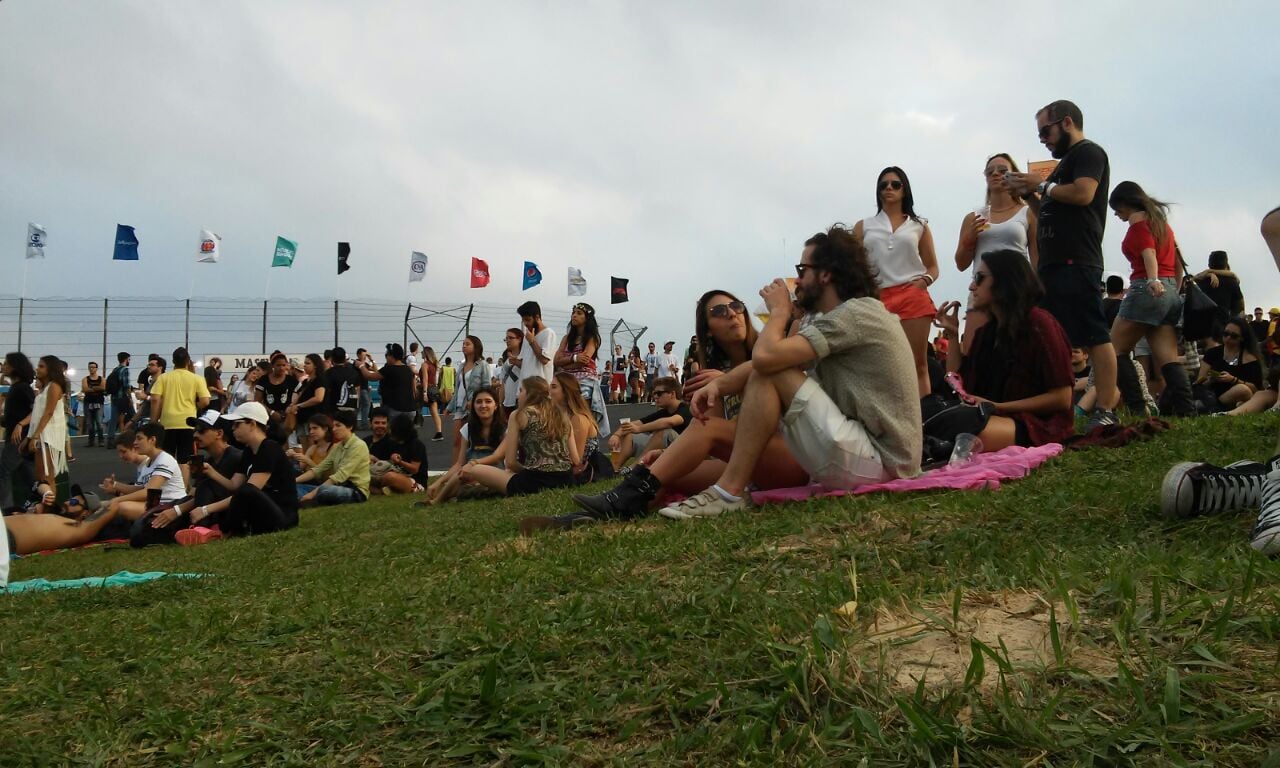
1152 307
1019 361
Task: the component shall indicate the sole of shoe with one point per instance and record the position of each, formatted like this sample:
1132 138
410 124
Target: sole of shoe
583 503
1267 543
190 537
1177 492
674 512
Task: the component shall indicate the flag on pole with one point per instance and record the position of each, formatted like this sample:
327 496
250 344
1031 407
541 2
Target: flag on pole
532 276
417 266
286 252
577 283
479 272
618 290
344 253
209 251
126 244
35 241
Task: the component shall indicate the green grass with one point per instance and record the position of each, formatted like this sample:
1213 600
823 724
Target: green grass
382 635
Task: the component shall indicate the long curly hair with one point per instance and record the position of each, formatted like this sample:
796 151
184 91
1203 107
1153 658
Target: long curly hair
837 251
537 402
590 330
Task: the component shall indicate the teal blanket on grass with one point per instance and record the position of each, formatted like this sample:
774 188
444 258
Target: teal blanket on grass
121 579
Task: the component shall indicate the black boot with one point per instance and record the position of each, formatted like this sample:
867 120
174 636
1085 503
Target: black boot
1128 384
627 500
1177 390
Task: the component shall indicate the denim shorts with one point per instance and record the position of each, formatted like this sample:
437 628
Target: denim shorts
1140 306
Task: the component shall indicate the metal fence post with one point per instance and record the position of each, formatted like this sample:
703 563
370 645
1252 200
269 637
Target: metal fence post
105 303
335 323
264 326
186 332
22 305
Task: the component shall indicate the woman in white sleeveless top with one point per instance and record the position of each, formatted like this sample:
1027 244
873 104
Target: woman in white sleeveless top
1009 224
48 433
899 246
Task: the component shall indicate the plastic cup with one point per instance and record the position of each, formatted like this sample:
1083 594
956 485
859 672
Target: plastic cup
982 216
967 446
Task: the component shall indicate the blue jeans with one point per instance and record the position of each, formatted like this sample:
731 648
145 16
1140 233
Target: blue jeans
330 495
593 393
366 405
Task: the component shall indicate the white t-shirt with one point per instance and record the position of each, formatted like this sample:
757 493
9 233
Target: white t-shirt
167 467
651 363
530 365
412 362
665 362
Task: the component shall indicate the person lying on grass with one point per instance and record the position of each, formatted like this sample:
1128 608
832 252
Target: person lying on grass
543 433
855 420
1019 360
262 496
163 525
397 458
478 443
343 476
29 534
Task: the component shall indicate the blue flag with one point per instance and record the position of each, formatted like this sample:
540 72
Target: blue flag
531 275
126 244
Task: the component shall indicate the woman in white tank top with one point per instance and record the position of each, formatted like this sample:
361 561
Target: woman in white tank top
1008 225
899 246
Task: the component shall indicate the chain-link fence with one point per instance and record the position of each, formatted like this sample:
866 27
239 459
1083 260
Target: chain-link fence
80 330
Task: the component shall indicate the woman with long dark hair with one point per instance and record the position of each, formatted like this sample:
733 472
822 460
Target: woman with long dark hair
1019 361
577 356
429 376
1151 308
900 247
539 452
479 441
1231 372
15 472
47 439
473 374
310 398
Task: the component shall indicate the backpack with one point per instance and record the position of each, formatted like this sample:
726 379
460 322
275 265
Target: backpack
113 383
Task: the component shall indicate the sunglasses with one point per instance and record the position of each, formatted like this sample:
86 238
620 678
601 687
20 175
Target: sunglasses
727 310
801 269
1230 335
980 277
1044 129
996 171
891 184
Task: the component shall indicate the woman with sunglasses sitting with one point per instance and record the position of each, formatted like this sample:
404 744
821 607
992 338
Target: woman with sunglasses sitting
1231 372
1019 361
900 247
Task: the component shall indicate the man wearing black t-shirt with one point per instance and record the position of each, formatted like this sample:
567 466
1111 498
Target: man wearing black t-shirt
395 441
666 423
15 470
264 497
1071 210
276 390
342 384
396 383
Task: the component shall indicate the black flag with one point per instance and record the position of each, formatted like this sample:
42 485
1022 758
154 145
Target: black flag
344 253
617 290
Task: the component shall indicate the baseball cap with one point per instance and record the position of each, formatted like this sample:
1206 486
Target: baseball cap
1274 311
251 411
204 421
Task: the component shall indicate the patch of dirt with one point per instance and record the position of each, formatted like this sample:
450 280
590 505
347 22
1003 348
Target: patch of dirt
828 537
932 644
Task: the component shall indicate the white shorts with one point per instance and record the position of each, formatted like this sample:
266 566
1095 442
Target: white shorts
835 450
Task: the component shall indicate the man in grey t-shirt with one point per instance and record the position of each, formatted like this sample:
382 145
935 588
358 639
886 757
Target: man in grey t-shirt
837 403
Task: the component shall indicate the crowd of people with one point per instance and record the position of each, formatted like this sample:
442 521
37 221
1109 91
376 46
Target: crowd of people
840 387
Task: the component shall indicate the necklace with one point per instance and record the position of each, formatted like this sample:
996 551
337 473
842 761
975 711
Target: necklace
1006 208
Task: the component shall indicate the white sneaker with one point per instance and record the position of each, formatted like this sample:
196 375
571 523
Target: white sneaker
1266 533
709 503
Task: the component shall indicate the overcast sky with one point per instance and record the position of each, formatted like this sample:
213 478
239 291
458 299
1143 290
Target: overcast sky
683 145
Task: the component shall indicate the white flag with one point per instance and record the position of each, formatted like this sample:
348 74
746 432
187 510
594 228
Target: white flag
35 241
417 266
209 247
577 283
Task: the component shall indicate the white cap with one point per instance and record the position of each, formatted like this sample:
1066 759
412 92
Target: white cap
207 419
251 411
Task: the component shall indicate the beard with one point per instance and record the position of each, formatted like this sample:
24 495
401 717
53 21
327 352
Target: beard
805 301
1060 146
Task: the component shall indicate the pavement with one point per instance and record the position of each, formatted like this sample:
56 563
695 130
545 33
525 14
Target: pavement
92 465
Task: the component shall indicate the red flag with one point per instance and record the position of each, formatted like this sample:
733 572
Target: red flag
479 273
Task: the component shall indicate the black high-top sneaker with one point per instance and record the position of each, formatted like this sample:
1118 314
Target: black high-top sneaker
627 500
1266 534
1193 488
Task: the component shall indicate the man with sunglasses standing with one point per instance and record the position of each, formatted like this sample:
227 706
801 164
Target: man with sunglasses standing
1071 211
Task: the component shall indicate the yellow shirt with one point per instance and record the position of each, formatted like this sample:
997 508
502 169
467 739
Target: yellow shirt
180 389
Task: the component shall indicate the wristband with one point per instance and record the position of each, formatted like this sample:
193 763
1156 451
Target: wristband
928 278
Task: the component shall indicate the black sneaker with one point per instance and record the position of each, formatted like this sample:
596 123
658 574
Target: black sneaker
1100 417
1194 488
437 437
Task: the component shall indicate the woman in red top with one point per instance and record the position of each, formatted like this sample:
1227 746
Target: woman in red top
1019 361
1151 307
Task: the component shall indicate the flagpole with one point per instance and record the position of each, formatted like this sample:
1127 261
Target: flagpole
25 264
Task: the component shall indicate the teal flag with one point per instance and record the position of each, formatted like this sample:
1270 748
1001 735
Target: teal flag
286 251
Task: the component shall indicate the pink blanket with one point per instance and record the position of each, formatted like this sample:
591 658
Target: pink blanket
987 470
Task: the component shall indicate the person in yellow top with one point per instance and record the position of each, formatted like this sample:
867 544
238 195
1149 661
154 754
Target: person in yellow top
176 396
343 475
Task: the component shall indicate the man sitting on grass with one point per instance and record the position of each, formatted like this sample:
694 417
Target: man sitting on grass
666 423
397 458
160 472
854 419
344 473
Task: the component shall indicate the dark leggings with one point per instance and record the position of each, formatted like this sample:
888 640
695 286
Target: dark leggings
93 423
253 512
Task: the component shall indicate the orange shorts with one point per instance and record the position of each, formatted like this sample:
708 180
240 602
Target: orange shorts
908 301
